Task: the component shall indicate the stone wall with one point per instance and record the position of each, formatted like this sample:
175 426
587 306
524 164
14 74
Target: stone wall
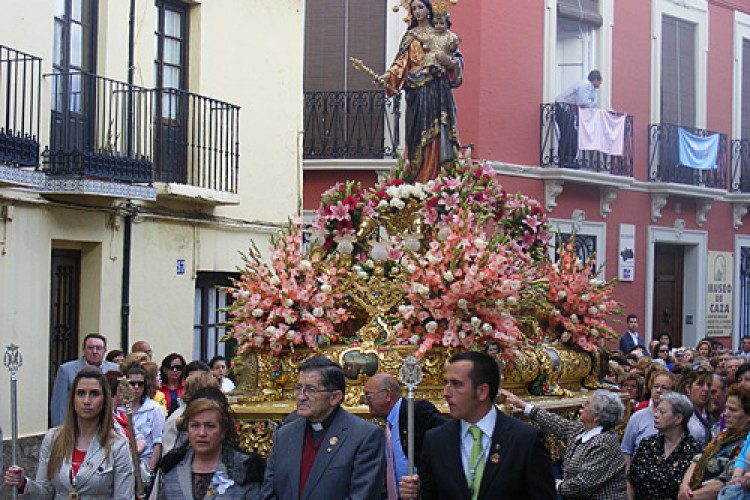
28 458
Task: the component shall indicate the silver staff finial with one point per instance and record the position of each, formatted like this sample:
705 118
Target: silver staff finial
410 373
13 359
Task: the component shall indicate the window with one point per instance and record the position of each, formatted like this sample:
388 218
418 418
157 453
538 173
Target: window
745 125
678 82
209 320
73 51
336 30
170 56
590 239
577 27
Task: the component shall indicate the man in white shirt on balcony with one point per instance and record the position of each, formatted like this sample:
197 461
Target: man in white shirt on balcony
584 93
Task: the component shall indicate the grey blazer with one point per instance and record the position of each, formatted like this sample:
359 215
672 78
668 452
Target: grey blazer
177 483
63 380
349 464
98 478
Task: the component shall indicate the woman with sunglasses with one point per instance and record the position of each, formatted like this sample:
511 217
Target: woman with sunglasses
172 380
148 420
84 457
662 352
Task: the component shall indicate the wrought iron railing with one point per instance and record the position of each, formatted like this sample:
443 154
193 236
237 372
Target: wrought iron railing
741 165
20 88
196 140
100 129
664 158
351 125
559 143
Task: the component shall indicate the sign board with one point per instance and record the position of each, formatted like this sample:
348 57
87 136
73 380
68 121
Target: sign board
626 253
719 294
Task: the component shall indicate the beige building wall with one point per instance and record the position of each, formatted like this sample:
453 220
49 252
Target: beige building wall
245 53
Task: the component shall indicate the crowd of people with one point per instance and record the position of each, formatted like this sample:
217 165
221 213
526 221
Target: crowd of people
166 430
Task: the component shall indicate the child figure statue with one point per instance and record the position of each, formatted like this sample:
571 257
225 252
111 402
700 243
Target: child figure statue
438 40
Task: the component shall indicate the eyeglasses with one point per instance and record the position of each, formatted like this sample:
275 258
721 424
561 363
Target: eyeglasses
366 397
309 391
661 387
175 368
663 350
137 383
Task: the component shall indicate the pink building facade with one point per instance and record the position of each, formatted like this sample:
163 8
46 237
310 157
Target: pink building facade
676 236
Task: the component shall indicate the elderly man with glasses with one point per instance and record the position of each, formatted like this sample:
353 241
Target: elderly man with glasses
94 349
327 452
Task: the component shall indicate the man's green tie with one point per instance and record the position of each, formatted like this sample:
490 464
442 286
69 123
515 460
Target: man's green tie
476 462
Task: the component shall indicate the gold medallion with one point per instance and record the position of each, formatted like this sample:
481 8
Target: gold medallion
495 458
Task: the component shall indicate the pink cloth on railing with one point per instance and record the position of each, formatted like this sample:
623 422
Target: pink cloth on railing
600 130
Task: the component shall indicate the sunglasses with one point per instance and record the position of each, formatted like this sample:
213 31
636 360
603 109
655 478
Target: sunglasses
136 383
175 367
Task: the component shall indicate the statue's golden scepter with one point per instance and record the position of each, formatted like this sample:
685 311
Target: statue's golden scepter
358 64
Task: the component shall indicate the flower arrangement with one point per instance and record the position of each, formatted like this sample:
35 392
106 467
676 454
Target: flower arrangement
467 287
296 300
579 304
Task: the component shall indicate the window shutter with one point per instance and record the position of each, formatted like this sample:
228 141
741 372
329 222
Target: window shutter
336 30
678 72
745 89
586 11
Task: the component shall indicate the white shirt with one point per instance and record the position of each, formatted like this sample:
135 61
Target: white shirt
487 424
586 436
226 385
582 94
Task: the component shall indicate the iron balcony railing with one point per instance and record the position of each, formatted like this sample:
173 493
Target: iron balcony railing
351 125
741 165
196 140
559 141
664 158
20 88
100 129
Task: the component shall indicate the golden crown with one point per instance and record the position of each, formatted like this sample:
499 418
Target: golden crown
438 7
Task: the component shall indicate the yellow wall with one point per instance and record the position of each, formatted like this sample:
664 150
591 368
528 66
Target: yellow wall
246 53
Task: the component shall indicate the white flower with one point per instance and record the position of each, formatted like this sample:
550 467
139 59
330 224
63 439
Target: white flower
480 243
512 300
595 281
448 276
431 327
405 309
411 268
362 274
257 312
593 311
357 268
486 328
585 297
475 322
414 339
288 302
556 312
258 341
561 294
398 327
318 312
398 203
565 336
271 330
594 332
244 294
383 204
392 191
603 307
290 335
305 265
462 303
275 281
574 318
325 288
369 263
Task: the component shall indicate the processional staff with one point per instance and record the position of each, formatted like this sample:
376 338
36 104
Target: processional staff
13 361
410 375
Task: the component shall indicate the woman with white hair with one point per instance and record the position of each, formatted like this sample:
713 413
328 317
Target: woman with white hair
661 460
594 466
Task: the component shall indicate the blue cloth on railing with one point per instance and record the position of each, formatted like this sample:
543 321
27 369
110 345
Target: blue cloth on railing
698 152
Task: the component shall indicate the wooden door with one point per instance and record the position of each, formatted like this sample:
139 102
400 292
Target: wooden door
668 291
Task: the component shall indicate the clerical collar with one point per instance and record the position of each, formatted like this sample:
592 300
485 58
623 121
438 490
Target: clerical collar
325 423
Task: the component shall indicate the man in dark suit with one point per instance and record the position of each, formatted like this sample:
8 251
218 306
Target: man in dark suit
326 452
383 396
631 338
482 453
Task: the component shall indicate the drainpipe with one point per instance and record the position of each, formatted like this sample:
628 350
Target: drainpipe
127 231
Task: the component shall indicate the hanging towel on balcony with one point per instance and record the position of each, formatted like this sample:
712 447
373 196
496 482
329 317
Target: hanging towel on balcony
698 152
600 130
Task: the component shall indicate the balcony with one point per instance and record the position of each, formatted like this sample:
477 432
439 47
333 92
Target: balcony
101 139
741 165
20 88
664 158
353 125
559 139
196 145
